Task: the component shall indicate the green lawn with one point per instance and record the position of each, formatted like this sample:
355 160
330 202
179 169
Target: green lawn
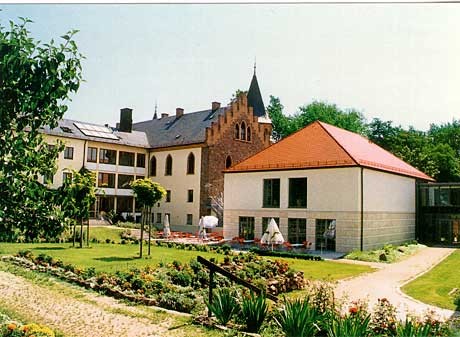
112 257
434 286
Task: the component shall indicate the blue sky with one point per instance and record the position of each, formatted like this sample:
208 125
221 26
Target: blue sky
395 62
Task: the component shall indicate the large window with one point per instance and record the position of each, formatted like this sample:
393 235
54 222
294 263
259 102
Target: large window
246 229
106 180
271 193
190 196
125 204
140 162
68 152
126 158
266 221
168 165
153 166
298 193
191 164
107 156
92 155
297 230
325 234
124 181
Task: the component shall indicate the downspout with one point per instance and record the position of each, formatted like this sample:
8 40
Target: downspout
362 210
84 154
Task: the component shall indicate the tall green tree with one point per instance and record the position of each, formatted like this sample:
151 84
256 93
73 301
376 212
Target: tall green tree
147 194
36 81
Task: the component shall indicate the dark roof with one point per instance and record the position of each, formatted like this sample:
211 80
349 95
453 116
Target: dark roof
255 98
190 128
67 128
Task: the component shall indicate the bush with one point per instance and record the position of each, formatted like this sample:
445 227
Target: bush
254 310
263 252
298 318
223 306
176 301
350 326
413 329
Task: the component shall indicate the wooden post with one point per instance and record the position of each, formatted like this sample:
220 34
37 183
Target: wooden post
211 285
142 231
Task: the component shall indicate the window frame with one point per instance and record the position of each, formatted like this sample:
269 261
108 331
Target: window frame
153 166
140 162
68 152
100 179
291 203
168 196
246 233
90 154
191 163
124 175
190 195
126 158
295 238
104 160
189 217
168 165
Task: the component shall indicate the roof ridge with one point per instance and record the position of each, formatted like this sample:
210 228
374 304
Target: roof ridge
336 141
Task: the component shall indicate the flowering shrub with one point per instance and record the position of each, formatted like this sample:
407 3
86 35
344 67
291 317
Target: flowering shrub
14 329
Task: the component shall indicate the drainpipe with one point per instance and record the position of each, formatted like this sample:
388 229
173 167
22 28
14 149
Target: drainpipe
84 154
362 210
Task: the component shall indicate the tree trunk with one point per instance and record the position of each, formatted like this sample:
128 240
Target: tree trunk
142 231
74 232
87 232
81 233
150 225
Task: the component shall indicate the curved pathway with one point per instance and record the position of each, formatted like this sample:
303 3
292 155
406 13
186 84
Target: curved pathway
386 282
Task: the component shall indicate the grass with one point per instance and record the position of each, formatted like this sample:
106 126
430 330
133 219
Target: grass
389 253
434 286
113 257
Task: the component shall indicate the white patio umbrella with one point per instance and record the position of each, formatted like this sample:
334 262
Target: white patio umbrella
166 229
210 221
272 235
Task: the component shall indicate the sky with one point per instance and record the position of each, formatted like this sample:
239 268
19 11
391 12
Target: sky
398 62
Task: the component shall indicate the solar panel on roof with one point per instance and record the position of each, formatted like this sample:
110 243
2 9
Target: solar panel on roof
96 131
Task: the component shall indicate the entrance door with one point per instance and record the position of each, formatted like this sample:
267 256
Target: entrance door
325 234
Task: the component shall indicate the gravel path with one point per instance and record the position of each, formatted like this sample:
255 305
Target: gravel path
77 313
386 282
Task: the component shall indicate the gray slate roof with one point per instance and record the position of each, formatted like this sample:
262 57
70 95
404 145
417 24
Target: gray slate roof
172 131
134 138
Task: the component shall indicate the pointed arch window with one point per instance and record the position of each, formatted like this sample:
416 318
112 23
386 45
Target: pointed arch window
191 163
168 165
248 134
153 166
243 131
237 131
228 162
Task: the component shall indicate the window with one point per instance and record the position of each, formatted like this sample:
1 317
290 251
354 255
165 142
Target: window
106 180
243 131
108 156
92 155
271 193
189 219
66 177
124 181
237 131
297 230
168 196
266 221
190 196
191 164
68 152
153 166
168 166
48 179
298 193
248 134
140 162
228 162
125 204
158 217
126 158
246 229
325 234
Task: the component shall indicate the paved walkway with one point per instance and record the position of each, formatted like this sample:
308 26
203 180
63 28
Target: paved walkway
386 282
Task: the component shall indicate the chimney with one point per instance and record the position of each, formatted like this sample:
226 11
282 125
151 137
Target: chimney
164 115
215 106
126 120
179 112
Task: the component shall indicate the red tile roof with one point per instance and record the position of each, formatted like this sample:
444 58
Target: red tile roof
321 145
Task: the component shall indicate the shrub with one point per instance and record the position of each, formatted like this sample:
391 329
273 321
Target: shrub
223 306
176 301
254 310
298 318
412 329
181 278
384 317
350 326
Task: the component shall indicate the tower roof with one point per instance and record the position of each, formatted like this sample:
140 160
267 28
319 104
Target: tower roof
255 98
321 145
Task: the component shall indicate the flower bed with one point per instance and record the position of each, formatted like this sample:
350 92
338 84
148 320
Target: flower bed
11 328
276 253
175 286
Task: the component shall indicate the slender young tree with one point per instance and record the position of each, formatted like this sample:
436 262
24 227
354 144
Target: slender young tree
147 193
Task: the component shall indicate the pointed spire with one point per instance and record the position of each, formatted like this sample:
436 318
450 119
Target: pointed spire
254 97
155 115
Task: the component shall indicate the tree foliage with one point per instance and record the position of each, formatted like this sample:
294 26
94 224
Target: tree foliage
147 192
35 83
435 152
